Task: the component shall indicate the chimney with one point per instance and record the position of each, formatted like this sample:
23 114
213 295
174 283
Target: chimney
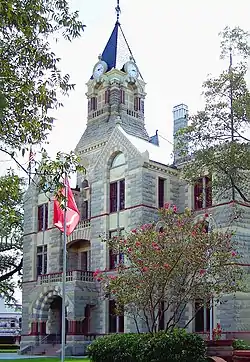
180 114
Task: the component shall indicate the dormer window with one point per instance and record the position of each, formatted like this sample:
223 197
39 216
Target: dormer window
93 104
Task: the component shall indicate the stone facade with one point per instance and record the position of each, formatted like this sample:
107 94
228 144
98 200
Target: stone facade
115 126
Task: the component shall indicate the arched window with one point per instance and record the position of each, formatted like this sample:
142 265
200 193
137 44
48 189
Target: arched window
118 160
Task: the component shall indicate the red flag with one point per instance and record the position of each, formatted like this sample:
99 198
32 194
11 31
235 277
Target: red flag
72 213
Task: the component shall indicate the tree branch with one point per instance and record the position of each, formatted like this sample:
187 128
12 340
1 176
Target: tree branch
8 275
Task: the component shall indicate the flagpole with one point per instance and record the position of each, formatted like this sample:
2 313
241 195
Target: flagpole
64 273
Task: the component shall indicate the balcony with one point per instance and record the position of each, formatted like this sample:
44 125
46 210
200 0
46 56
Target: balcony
81 232
71 276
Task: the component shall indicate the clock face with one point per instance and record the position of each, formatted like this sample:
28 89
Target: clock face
99 70
132 70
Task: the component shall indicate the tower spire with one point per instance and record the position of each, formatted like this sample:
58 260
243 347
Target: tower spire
118 11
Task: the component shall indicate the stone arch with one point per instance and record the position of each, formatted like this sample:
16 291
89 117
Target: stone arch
41 306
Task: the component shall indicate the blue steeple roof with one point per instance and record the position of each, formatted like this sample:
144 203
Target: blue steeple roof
109 54
117 51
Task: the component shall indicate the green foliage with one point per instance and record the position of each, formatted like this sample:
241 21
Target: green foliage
8 347
216 136
239 344
159 347
31 88
180 264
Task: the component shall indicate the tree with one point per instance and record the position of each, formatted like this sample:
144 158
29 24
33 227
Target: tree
31 86
216 137
176 265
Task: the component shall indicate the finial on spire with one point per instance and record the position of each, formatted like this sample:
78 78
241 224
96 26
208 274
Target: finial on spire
118 10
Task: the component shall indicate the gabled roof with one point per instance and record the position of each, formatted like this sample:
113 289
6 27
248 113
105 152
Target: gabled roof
160 154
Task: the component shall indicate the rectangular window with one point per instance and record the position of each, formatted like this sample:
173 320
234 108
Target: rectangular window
142 106
85 210
161 317
84 260
93 103
203 193
122 96
113 197
42 217
202 317
41 264
161 195
122 195
137 103
115 258
107 96
117 192
116 323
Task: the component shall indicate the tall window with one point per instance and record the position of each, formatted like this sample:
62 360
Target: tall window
107 96
161 195
202 317
122 96
137 103
203 193
85 210
42 217
42 261
117 196
161 317
116 323
114 257
84 260
93 103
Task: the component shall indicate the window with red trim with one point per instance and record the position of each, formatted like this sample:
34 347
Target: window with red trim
203 193
137 103
115 258
40 217
93 104
202 317
117 192
116 322
161 195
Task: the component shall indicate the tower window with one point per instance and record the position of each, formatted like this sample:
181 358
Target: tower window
42 217
122 96
41 257
117 192
107 96
93 104
161 195
137 103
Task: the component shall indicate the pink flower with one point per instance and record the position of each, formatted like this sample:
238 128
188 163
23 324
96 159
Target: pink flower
96 273
166 266
129 250
234 253
174 208
134 231
140 261
202 271
137 243
166 205
99 279
145 269
113 277
206 215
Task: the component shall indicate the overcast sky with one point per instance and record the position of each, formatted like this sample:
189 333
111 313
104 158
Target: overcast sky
175 44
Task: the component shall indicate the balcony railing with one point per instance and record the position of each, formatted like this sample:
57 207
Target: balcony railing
71 276
81 232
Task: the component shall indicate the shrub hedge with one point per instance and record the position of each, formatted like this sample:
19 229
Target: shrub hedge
8 346
159 347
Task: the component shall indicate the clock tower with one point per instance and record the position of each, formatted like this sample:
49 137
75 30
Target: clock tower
115 93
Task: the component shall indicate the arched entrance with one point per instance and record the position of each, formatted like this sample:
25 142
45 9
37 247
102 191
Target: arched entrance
54 324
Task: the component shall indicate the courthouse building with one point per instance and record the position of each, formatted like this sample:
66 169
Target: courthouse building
128 177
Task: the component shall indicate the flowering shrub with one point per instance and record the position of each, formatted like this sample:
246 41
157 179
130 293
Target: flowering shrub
217 332
178 264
